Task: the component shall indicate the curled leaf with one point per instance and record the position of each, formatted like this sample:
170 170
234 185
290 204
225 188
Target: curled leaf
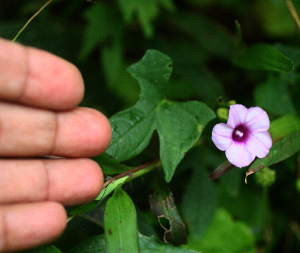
163 207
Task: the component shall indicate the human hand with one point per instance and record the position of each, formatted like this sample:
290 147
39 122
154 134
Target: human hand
39 94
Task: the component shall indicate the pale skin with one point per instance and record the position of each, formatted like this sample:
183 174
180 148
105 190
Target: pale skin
39 116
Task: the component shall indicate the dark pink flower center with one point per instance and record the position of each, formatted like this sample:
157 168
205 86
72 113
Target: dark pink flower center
240 133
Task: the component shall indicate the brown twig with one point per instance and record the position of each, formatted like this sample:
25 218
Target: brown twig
293 12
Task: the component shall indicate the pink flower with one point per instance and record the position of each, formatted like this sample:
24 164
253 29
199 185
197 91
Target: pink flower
245 135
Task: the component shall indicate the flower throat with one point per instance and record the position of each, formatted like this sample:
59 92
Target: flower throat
240 133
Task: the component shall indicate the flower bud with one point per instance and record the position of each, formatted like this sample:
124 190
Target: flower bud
265 177
222 114
231 102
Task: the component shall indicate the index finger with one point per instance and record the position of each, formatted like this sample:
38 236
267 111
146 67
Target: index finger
37 78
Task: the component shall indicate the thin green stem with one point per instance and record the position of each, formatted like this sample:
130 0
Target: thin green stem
91 219
34 15
144 170
293 12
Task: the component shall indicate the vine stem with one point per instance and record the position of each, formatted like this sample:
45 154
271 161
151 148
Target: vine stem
293 12
34 15
136 172
131 174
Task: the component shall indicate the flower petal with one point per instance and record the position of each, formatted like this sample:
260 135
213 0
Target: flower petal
239 154
260 143
237 115
257 120
222 136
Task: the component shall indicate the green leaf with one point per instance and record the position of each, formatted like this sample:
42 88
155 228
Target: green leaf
43 249
111 187
274 96
102 195
199 202
282 29
280 151
102 24
239 39
163 207
94 244
281 127
118 80
81 208
151 245
207 85
224 235
110 165
292 52
120 223
112 59
262 57
231 182
146 11
210 36
255 215
179 125
190 61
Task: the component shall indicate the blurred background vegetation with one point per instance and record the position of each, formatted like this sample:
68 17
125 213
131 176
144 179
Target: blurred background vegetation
103 37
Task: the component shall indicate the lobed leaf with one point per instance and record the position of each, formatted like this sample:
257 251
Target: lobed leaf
179 125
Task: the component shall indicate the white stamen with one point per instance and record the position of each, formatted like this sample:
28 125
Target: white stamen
239 133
